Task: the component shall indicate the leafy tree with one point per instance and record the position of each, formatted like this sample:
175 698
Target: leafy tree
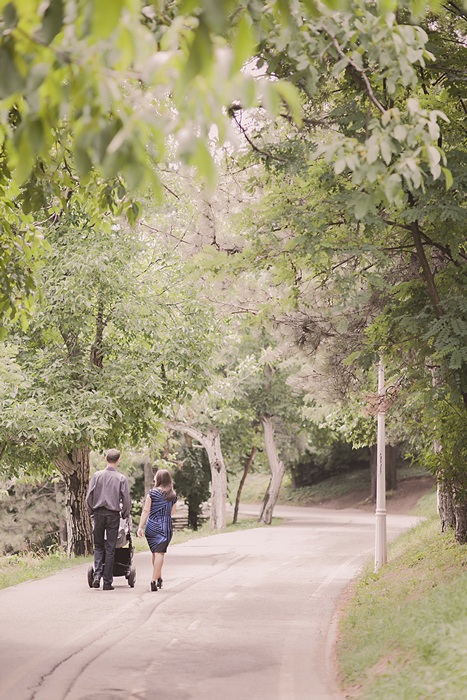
359 226
327 456
116 338
192 478
354 217
89 94
246 470
210 439
278 409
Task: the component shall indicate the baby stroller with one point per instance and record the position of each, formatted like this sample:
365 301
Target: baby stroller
123 565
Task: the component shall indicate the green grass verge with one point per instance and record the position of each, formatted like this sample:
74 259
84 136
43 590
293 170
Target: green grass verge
27 567
404 633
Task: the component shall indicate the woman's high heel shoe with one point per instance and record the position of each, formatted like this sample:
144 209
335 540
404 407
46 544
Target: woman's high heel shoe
159 583
153 586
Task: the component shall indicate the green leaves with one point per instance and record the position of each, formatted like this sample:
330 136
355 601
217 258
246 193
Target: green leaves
448 335
363 203
449 178
52 21
244 43
107 294
12 81
200 55
291 97
393 156
134 212
104 90
21 247
105 17
216 15
9 18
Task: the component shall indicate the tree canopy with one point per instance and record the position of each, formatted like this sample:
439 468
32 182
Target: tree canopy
116 337
91 96
343 125
370 270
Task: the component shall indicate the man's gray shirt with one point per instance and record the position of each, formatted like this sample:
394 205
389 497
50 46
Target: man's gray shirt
109 489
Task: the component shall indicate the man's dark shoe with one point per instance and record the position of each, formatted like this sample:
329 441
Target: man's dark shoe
108 587
96 583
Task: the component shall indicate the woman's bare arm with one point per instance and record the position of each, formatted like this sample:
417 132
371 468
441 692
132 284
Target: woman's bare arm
144 516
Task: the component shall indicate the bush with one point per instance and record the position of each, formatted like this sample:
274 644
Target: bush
30 518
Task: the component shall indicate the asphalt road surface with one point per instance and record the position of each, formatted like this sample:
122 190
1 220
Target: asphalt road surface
248 615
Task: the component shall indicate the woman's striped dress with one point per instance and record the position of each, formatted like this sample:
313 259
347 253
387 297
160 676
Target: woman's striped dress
159 523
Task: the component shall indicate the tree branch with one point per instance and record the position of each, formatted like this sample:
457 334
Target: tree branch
180 427
362 74
426 270
63 463
96 355
256 148
71 341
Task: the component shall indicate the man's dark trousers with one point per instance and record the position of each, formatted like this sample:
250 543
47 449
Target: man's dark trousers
106 522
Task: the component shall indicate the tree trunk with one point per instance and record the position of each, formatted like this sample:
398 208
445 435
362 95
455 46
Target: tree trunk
74 467
460 510
452 509
218 479
293 474
193 515
427 273
446 505
242 483
62 529
211 442
277 470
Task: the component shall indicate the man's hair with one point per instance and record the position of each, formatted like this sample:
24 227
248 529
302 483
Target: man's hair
112 456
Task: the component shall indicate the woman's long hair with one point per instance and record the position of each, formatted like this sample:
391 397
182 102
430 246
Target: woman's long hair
163 482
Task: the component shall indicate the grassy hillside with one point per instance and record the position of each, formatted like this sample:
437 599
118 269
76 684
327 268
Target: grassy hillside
357 481
257 483
404 632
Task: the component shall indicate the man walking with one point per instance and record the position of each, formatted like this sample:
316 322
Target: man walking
108 494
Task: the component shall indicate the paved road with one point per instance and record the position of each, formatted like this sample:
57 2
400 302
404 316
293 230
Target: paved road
246 615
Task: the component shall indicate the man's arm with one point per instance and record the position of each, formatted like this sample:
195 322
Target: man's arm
125 497
90 495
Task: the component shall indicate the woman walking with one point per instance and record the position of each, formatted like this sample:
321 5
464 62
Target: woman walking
159 506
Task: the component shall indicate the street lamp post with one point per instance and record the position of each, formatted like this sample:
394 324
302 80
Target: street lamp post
381 538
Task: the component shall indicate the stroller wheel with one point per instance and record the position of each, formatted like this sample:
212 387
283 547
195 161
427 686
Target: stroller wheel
132 577
90 575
